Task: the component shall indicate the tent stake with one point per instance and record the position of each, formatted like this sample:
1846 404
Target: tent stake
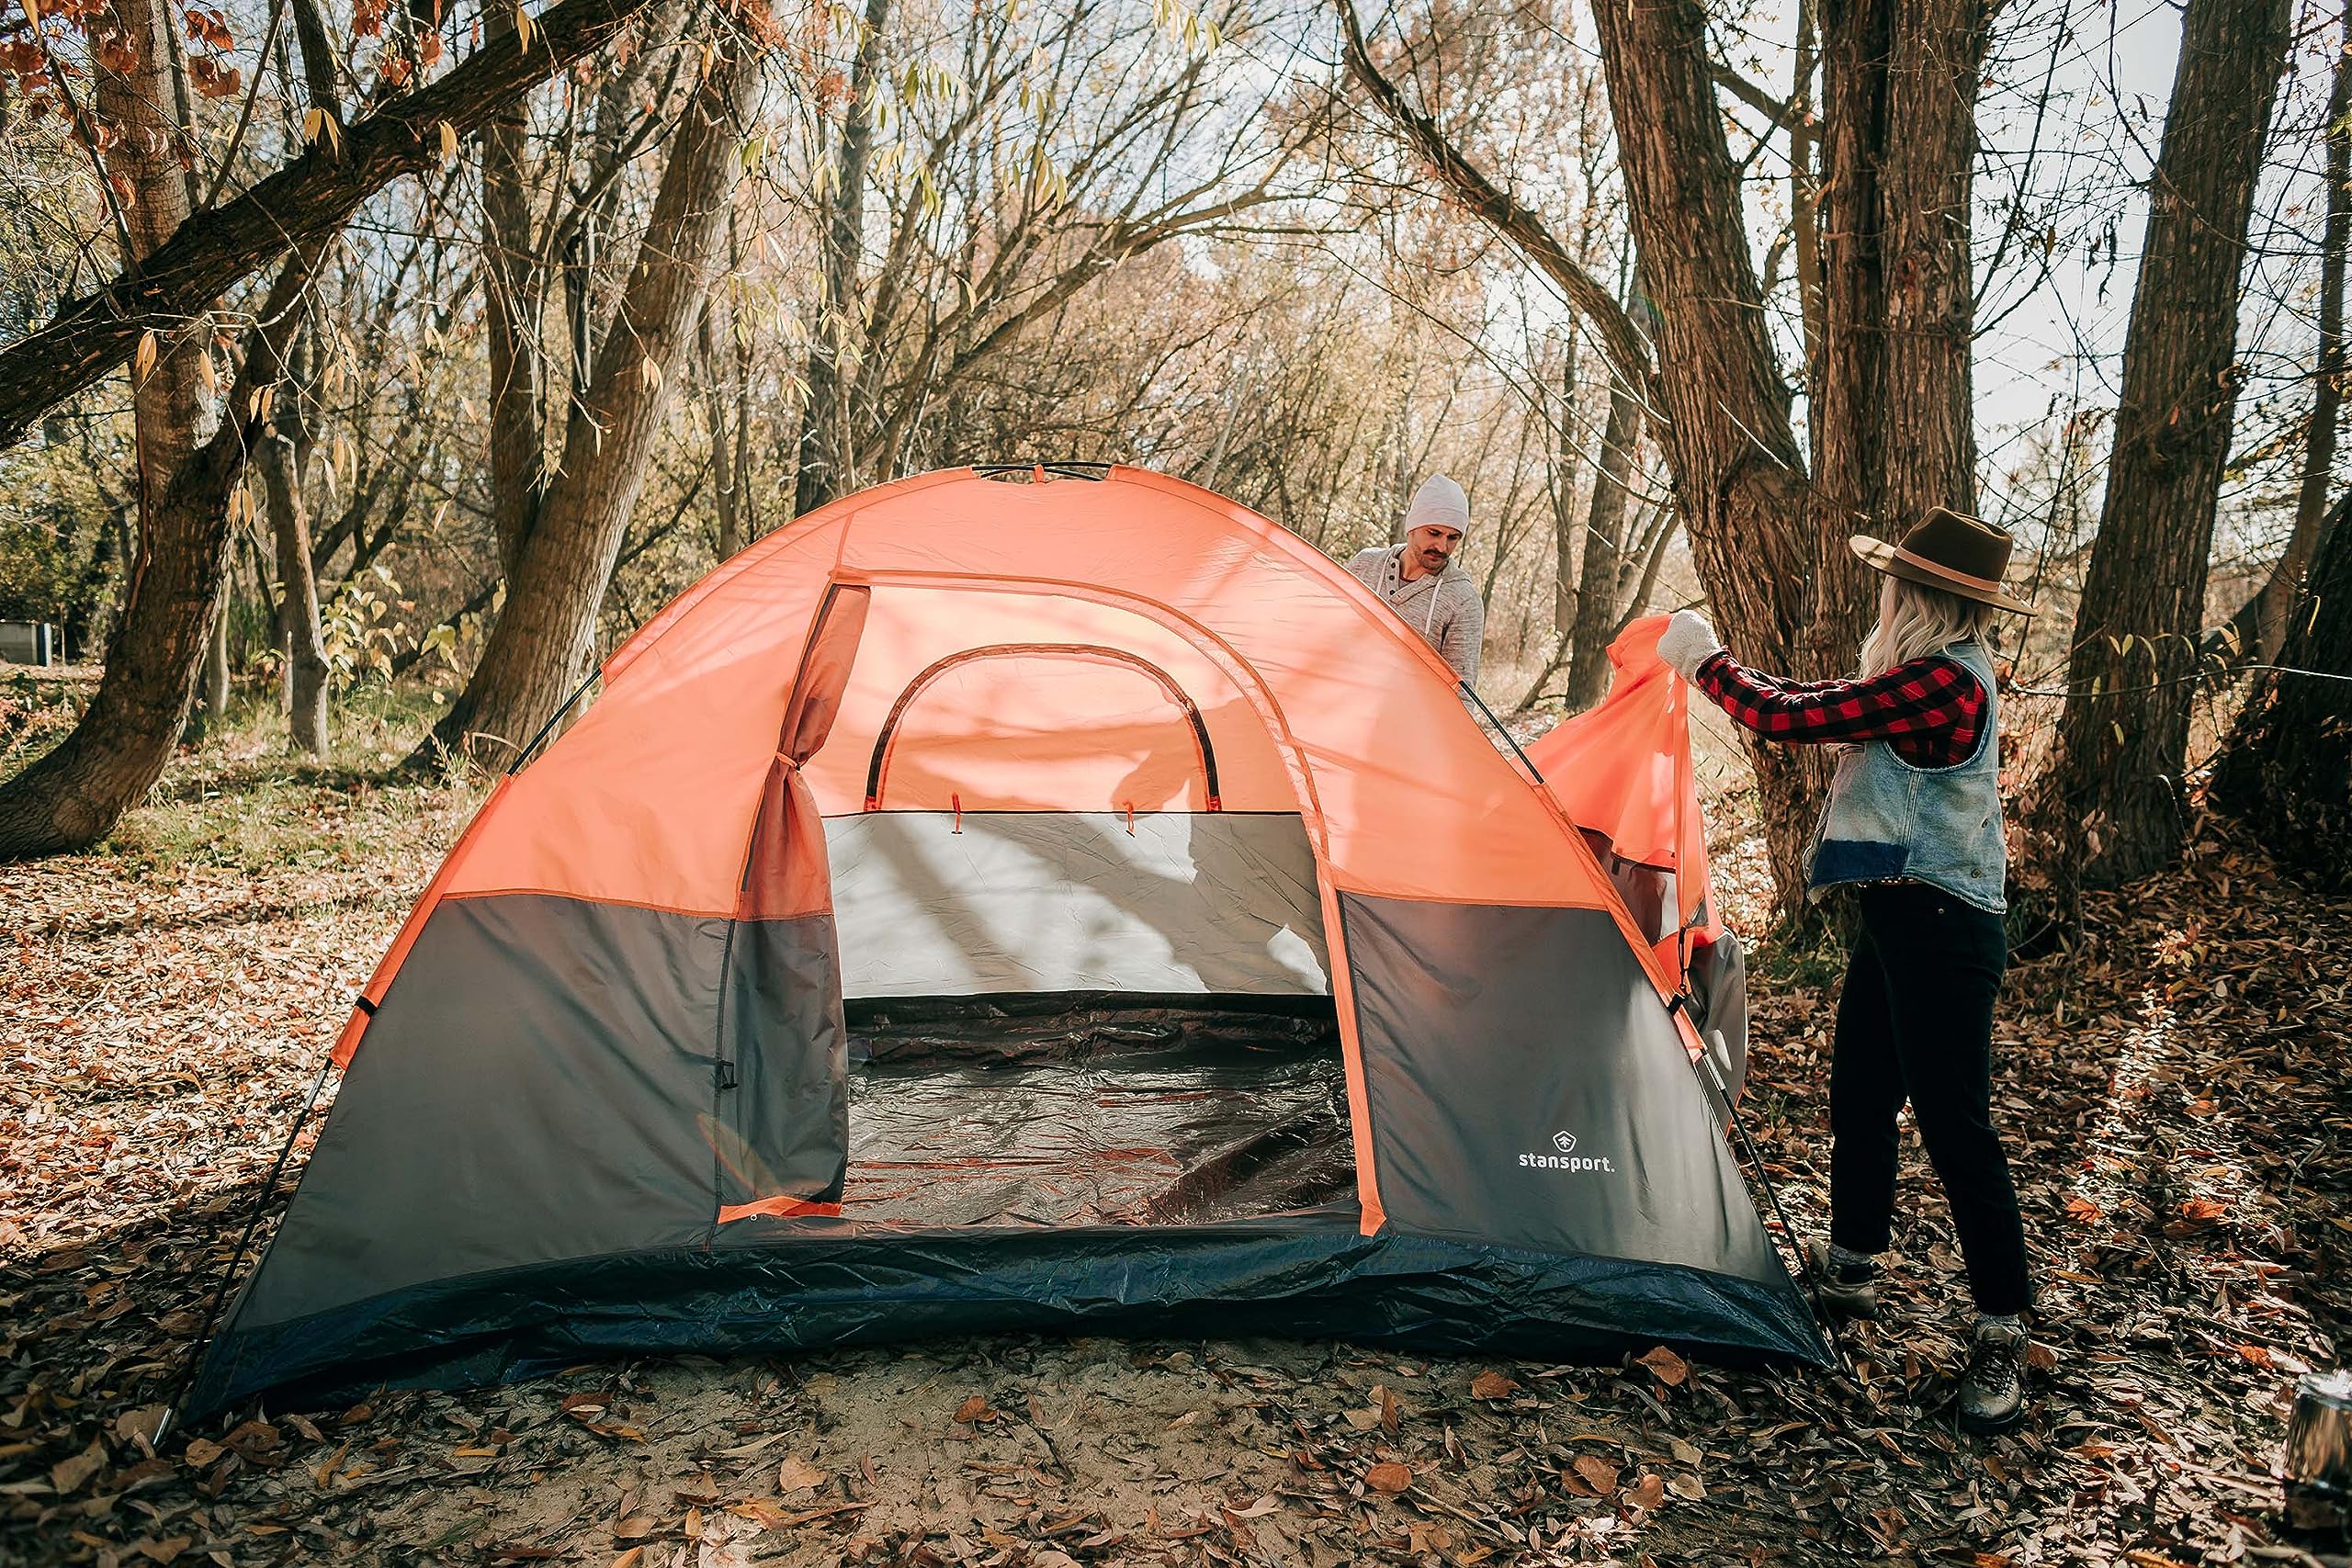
253 1222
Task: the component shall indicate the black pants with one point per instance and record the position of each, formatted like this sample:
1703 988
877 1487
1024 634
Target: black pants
1915 1023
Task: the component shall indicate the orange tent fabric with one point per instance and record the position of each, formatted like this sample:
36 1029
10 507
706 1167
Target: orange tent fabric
1400 790
1624 770
1015 750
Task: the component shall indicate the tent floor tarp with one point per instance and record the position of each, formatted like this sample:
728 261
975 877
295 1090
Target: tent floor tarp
1095 1115
1307 1275
1072 1163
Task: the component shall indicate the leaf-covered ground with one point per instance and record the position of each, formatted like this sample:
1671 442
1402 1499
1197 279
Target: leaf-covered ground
2177 1091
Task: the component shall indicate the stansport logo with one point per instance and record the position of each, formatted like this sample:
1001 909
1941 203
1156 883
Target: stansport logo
1565 1157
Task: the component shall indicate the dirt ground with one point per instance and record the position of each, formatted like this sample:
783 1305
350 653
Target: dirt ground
2177 1087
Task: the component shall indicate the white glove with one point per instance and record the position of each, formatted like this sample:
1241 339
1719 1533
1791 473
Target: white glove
1688 642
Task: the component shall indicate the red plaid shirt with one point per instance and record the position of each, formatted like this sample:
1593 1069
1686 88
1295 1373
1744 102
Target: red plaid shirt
1927 710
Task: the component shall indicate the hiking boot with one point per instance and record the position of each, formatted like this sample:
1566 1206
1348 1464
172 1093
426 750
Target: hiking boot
1850 1291
1992 1391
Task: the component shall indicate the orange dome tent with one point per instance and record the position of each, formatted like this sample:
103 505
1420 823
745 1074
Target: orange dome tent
994 904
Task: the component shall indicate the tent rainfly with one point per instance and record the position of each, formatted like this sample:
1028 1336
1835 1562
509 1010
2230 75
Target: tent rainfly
1000 900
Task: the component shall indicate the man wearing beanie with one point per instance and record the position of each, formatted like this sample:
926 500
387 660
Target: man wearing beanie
1419 580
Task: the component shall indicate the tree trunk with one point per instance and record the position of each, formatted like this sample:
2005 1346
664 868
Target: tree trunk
513 297
722 445
1804 189
285 459
285 463
1778 577
1561 473
2286 769
74 795
547 630
1599 579
2261 623
1894 434
826 440
216 661
2112 806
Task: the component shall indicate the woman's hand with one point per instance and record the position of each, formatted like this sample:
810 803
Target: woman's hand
1688 642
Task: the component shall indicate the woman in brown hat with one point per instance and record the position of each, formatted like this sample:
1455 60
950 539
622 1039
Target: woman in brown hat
1913 821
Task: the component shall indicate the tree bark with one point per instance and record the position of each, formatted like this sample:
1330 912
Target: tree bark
285 463
513 294
284 459
2261 623
2111 808
1601 576
1805 188
2286 769
723 448
91 336
1777 573
1560 471
72 795
827 443
1893 433
547 630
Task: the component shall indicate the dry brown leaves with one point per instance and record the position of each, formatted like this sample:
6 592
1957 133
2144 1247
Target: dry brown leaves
2173 1091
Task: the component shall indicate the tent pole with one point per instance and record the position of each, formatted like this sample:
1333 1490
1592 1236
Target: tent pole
229 1274
1498 724
1822 1320
553 719
1685 785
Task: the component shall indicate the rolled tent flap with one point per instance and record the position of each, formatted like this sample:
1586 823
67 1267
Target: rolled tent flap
780 1111
1623 772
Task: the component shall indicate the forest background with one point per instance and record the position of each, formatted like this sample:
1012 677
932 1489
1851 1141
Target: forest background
368 371
599 321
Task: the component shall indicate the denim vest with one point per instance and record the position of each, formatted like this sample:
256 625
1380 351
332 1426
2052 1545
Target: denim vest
1888 821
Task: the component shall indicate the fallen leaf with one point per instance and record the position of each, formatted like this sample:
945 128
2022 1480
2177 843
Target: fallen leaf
797 1474
633 1558
761 1512
140 1426
69 1476
1684 1453
1257 1510
165 1551
1389 1478
1665 1366
251 1437
1492 1385
1686 1487
1597 1473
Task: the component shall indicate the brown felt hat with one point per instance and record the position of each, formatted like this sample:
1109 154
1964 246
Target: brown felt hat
1960 555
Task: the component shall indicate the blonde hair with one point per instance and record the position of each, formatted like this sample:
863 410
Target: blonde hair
1914 620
